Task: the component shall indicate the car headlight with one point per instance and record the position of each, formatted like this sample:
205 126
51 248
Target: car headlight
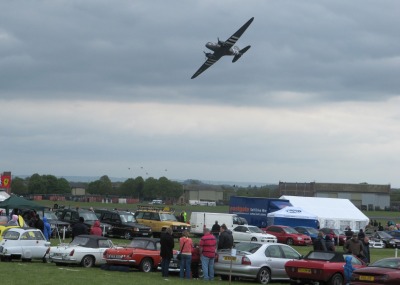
299 238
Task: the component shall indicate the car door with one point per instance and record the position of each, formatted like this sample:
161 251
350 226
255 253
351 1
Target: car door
239 233
279 233
33 244
276 261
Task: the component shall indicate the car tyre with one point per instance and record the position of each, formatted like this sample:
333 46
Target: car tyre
336 279
264 276
146 265
87 261
253 239
289 241
127 235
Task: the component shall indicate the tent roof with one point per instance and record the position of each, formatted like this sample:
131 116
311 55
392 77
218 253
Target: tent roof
328 208
19 202
293 212
3 195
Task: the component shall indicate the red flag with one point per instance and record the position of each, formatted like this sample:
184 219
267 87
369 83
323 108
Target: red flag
5 181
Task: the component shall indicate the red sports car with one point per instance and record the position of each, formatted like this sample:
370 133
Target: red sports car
321 267
385 271
142 253
288 235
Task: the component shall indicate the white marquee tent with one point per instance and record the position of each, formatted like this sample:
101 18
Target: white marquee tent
292 216
331 212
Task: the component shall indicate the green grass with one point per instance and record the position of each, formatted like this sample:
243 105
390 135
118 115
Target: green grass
32 273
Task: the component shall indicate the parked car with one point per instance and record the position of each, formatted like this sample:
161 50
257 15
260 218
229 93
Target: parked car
141 253
394 233
335 234
384 271
84 250
57 227
159 219
123 224
288 235
388 240
23 243
320 267
72 216
251 233
255 260
309 231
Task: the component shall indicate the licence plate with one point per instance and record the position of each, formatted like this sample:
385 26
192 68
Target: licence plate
304 270
230 258
366 278
145 234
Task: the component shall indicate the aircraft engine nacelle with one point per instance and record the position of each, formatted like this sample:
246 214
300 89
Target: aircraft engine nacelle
212 46
209 55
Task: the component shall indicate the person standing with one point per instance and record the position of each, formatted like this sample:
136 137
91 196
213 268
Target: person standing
208 245
39 223
79 228
46 229
166 252
96 230
225 240
354 247
365 244
319 243
194 266
216 229
186 245
13 221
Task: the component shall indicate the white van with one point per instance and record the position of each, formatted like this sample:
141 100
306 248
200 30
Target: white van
200 220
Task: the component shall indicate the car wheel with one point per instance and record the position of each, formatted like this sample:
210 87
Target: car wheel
253 239
264 276
87 261
127 235
146 265
336 279
289 241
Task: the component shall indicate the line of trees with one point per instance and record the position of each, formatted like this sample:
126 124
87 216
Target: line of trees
148 189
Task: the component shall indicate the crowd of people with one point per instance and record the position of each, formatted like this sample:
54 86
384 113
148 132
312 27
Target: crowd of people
191 254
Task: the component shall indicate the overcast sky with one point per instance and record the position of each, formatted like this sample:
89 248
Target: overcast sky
92 88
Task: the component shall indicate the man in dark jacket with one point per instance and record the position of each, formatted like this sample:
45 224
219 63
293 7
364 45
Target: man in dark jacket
225 238
166 251
216 228
80 228
320 243
354 246
39 223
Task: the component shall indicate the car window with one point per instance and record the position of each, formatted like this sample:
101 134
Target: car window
103 243
273 251
155 217
289 252
139 215
151 246
248 247
240 229
147 215
354 261
67 216
274 229
12 235
75 216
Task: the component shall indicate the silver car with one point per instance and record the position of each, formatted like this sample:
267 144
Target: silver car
255 260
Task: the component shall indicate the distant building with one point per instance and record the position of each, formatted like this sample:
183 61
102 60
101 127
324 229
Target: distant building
202 192
364 196
78 191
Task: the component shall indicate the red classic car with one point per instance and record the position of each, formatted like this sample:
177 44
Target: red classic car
288 235
141 253
320 266
385 271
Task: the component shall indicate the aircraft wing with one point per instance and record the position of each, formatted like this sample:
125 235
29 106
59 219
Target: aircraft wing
207 64
234 38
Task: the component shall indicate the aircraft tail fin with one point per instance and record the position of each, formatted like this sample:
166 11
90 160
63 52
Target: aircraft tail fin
241 52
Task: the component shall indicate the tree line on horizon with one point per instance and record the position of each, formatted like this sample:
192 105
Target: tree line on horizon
143 189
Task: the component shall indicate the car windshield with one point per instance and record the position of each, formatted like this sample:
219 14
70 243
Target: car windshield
384 235
89 216
290 230
387 263
128 218
255 230
167 217
79 241
248 247
320 255
50 216
139 243
312 230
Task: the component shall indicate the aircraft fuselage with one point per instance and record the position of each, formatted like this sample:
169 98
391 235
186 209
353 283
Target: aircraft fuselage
221 50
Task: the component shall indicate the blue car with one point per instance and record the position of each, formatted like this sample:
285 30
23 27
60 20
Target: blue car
309 231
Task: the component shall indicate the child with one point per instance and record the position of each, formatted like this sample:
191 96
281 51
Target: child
195 261
348 270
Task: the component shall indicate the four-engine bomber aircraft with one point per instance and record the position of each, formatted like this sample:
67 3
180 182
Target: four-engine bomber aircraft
224 48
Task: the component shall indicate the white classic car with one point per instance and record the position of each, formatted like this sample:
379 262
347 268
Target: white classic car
251 233
23 243
84 250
